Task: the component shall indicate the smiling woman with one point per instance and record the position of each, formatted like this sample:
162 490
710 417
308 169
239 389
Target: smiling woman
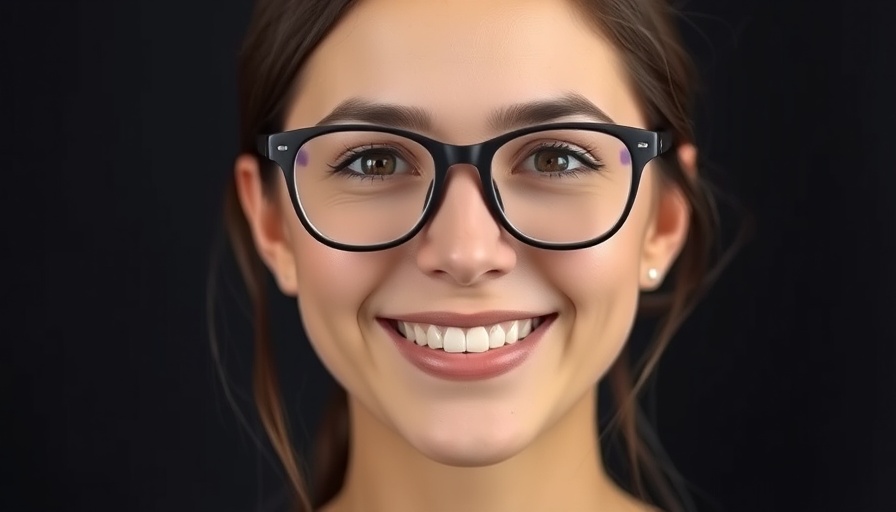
468 200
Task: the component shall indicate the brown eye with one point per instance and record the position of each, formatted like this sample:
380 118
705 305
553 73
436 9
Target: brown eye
548 161
378 164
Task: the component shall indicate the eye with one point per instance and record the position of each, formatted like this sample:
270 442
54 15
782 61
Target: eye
552 161
378 163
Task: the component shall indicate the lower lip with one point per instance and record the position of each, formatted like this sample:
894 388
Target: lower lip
467 366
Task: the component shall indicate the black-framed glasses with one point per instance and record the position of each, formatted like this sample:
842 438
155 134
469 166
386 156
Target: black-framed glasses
558 186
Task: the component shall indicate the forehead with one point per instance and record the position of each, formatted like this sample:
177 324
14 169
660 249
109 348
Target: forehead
461 60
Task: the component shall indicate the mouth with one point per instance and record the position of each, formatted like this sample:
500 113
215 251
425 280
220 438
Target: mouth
475 339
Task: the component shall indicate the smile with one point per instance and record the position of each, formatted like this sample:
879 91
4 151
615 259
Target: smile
474 339
467 347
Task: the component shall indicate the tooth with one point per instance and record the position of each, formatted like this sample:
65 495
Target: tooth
512 336
496 336
454 340
525 328
477 340
433 337
419 335
406 329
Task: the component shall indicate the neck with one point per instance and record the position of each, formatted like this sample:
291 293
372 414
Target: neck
560 470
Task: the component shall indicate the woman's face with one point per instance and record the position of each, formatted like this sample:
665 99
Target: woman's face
460 61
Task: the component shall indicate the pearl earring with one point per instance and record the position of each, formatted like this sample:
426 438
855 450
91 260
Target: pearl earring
653 274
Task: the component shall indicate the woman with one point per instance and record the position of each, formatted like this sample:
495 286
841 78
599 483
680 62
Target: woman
467 199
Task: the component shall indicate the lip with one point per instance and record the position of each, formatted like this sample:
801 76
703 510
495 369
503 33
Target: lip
466 366
466 321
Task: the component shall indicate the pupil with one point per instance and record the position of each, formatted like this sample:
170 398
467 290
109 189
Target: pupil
380 165
550 161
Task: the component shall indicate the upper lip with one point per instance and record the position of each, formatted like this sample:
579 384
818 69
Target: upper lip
449 319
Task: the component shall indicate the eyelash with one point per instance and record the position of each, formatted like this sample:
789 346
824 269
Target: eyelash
583 155
350 155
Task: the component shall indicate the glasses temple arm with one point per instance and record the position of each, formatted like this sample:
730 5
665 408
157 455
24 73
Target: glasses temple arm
261 145
665 141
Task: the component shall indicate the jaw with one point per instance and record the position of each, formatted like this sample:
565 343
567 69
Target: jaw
501 469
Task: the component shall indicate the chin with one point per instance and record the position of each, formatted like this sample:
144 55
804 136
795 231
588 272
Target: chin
480 450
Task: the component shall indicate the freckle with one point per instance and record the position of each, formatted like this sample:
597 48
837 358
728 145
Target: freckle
302 158
625 158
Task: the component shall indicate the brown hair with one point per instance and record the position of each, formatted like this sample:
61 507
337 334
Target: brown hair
644 32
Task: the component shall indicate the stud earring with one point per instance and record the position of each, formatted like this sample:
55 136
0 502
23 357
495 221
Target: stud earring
653 274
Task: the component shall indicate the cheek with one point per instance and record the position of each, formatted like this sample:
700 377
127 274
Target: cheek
601 287
333 281
603 298
590 278
332 289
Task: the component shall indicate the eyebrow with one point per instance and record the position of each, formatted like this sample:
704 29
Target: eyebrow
502 119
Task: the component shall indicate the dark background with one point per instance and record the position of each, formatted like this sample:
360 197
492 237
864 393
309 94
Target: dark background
119 131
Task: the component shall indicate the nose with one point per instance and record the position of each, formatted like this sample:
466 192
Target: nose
463 243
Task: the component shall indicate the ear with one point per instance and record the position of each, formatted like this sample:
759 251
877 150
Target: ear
668 230
266 222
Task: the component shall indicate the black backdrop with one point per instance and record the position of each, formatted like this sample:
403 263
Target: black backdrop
119 129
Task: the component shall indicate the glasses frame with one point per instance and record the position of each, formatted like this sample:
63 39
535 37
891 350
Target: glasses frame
643 146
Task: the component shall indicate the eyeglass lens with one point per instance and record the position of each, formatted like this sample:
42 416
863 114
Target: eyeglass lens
556 186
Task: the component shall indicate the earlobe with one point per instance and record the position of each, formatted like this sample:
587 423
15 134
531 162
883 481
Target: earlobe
266 222
668 229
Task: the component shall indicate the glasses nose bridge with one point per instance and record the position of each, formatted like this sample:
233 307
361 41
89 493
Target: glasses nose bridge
455 154
465 155
468 155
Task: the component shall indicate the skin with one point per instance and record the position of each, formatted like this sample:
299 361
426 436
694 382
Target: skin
526 440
